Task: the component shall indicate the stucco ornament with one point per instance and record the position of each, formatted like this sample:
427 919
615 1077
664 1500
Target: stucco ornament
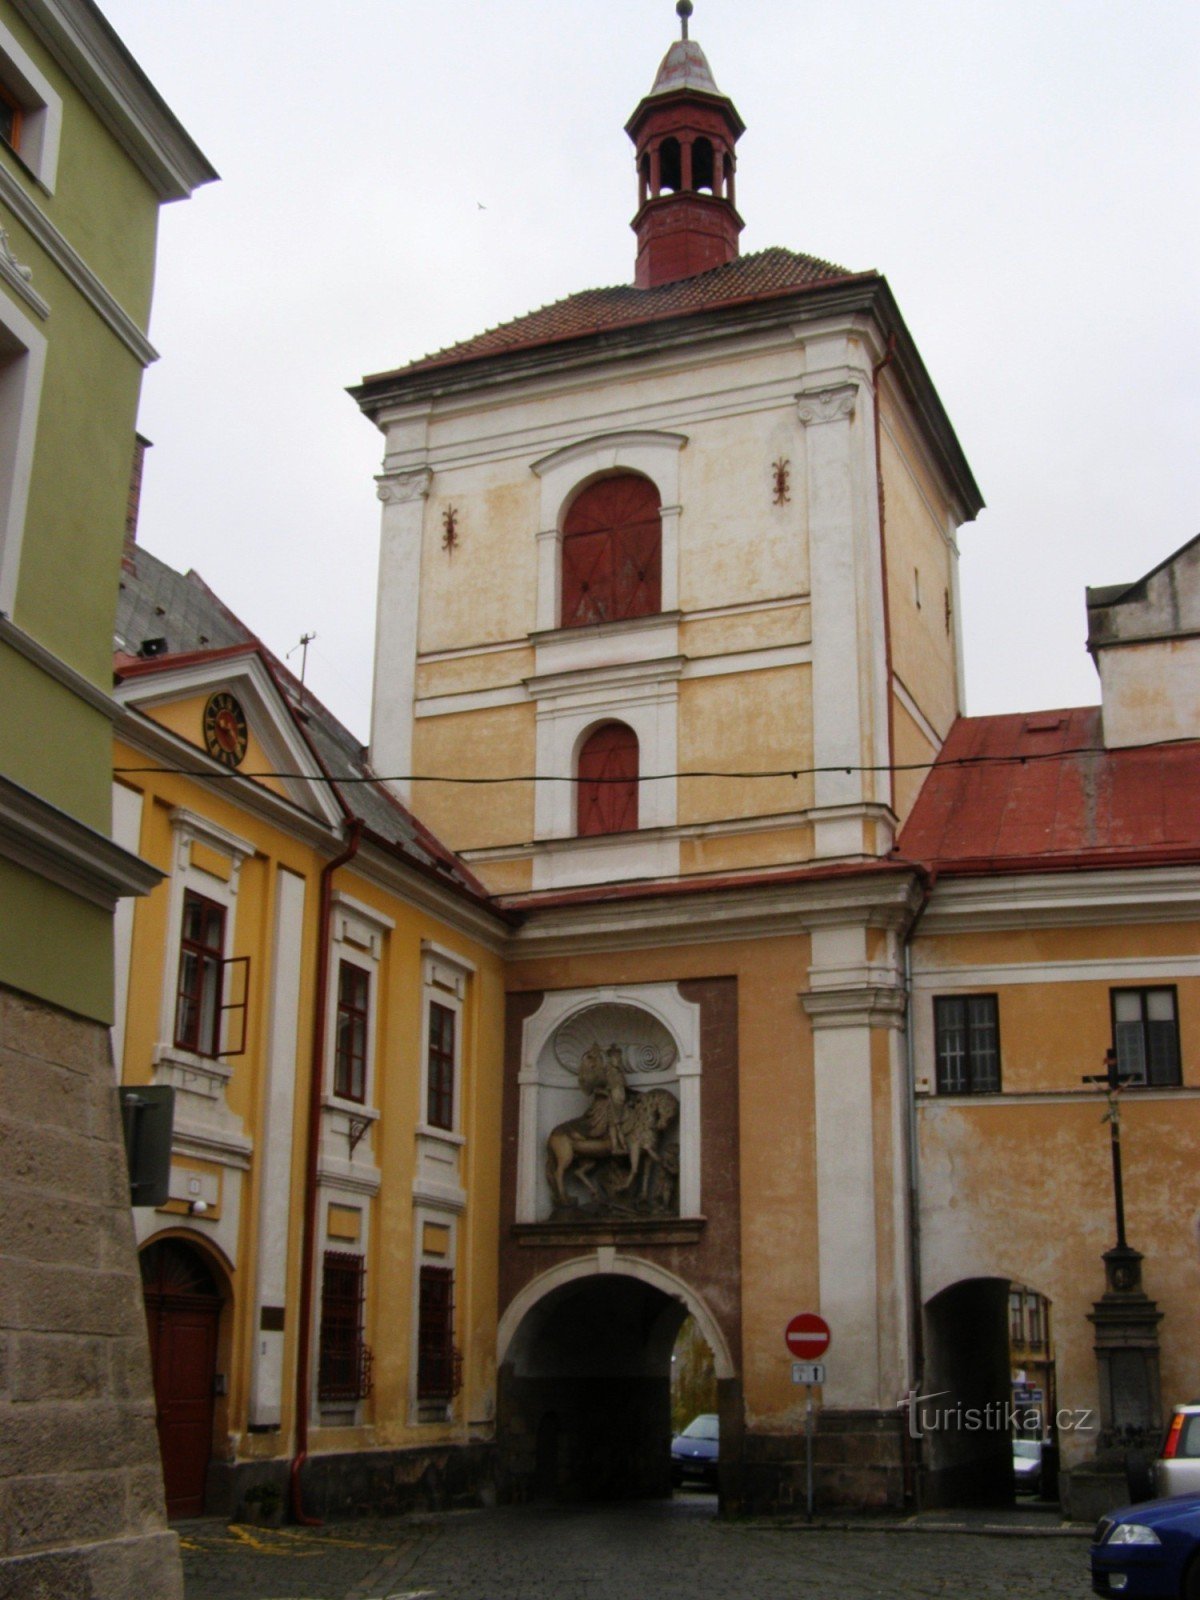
622 1153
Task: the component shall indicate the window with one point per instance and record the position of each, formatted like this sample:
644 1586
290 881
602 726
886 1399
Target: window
612 552
440 1108
967 1044
201 959
608 781
350 1049
1146 1035
439 1364
1016 1317
10 119
344 1360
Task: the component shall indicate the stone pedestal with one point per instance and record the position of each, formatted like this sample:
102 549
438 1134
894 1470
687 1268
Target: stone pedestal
1126 1322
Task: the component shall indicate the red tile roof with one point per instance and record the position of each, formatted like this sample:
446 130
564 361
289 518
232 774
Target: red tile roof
761 276
1038 790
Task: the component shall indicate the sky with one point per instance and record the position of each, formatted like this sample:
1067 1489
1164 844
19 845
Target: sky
400 174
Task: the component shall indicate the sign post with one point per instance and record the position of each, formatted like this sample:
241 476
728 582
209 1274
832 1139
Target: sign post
807 1338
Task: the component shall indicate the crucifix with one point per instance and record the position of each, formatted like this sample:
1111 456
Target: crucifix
1114 1081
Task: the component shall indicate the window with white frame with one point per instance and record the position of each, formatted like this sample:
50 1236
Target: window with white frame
22 365
356 956
32 122
444 993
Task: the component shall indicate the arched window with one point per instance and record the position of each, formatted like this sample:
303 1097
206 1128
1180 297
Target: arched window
703 167
608 780
612 552
670 166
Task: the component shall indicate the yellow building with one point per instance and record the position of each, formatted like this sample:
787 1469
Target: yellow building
320 983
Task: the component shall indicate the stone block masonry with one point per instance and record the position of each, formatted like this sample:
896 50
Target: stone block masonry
81 1501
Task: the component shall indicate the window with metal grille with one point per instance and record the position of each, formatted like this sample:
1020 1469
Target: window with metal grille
612 552
201 963
607 791
440 1107
967 1044
1146 1035
350 1048
439 1365
343 1359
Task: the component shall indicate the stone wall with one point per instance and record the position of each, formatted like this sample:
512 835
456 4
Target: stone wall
81 1497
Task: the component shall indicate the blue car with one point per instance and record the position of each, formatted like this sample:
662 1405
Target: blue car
694 1451
1149 1551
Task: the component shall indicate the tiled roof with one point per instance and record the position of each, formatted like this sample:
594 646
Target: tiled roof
1037 790
761 276
156 602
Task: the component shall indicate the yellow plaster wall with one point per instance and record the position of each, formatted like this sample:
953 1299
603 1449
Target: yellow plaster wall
494 669
473 744
746 722
186 718
483 591
749 630
912 749
738 545
743 852
916 514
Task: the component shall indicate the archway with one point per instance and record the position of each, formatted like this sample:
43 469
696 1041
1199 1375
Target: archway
183 1313
989 1380
585 1385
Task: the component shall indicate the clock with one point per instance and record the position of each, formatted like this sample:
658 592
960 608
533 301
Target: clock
225 732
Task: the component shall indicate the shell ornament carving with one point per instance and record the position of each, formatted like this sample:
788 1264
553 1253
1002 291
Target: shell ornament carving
644 1043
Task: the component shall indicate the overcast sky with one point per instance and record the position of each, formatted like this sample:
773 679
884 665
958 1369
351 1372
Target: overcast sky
399 174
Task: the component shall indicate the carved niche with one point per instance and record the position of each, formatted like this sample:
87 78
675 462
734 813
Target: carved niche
617 1155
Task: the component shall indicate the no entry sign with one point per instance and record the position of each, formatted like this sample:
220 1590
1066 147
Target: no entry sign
807 1336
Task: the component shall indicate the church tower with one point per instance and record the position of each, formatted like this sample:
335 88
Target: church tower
667 611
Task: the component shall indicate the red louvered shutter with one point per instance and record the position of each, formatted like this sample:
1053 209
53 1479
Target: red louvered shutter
612 553
608 781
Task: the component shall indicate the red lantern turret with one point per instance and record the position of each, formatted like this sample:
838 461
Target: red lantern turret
685 131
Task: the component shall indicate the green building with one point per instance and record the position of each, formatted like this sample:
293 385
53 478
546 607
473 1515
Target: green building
88 154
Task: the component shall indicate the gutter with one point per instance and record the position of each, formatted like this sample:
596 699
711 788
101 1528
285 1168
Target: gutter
309 1237
889 355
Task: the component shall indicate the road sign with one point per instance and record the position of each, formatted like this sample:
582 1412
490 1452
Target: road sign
807 1336
808 1372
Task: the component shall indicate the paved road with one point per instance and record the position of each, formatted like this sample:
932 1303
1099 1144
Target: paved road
671 1551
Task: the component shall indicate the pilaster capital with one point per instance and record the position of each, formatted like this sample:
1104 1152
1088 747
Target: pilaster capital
867 1005
834 403
399 488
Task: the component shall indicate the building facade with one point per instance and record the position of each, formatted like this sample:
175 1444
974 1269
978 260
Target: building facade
668 603
320 984
88 154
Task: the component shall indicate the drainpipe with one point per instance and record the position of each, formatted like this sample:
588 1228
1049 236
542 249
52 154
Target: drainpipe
916 1298
888 356
308 1246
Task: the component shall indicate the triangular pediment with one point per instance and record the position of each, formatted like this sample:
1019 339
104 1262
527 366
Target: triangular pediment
222 716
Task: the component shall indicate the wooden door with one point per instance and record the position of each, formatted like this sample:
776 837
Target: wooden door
183 1312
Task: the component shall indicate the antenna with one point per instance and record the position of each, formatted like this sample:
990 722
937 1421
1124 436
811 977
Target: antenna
305 640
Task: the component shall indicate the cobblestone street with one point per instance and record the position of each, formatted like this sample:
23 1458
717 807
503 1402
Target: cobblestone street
670 1551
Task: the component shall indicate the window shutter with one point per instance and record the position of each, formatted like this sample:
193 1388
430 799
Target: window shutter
608 781
612 553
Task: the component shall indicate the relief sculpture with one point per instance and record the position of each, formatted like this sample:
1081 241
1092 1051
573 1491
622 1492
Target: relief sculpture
620 1157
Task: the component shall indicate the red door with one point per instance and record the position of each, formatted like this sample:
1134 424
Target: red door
183 1309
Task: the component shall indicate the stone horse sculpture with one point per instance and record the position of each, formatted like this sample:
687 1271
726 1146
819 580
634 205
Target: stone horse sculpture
577 1146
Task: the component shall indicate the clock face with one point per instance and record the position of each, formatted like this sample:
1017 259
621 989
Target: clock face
225 730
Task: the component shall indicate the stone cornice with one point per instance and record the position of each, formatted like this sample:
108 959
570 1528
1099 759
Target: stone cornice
65 851
1063 899
860 1005
709 915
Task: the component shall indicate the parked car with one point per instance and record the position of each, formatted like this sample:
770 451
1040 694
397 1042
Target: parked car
1149 1551
694 1451
1027 1466
1177 1470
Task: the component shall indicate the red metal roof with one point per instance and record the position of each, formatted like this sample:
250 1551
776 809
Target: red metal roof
1038 790
754 277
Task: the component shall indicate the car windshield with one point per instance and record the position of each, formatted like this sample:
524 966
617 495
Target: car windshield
707 1427
1030 1449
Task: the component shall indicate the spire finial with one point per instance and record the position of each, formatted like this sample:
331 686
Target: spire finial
684 10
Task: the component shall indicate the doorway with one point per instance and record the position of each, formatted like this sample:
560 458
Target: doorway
183 1314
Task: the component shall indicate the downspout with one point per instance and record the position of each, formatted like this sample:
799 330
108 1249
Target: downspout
887 358
916 1294
308 1245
